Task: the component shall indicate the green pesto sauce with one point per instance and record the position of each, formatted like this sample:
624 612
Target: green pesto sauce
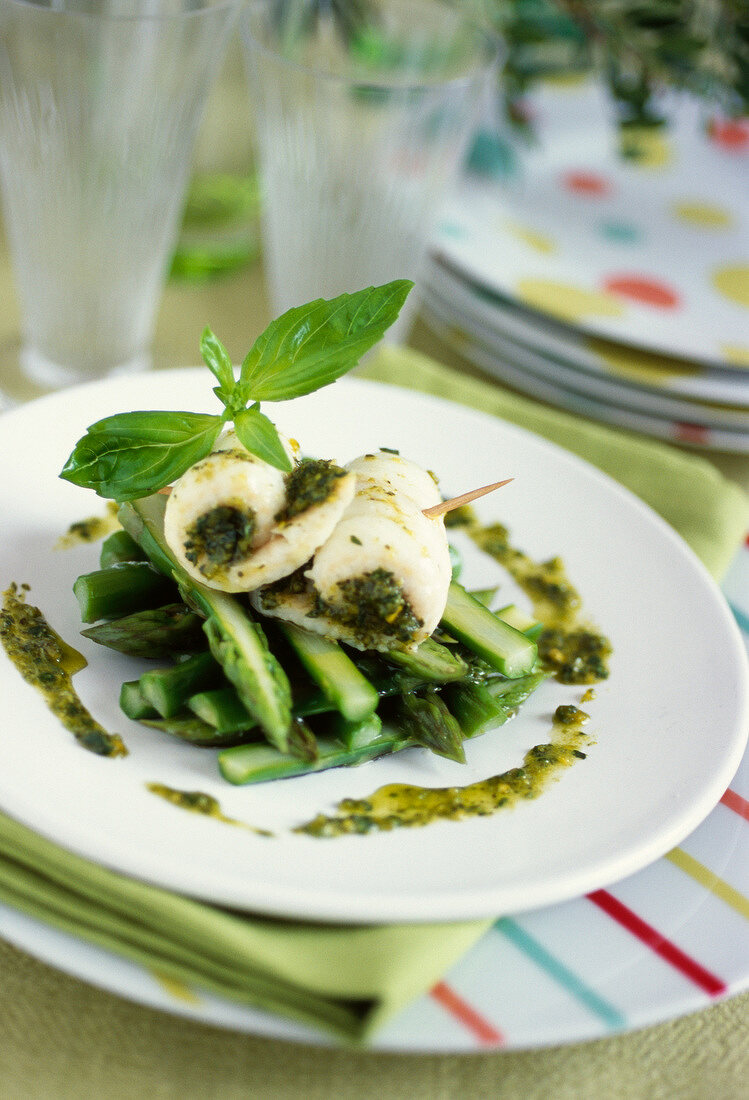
295 584
198 802
48 664
401 805
555 600
372 606
575 656
220 537
310 482
91 529
573 652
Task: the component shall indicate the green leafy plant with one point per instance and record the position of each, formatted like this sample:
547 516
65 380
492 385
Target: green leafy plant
132 454
639 48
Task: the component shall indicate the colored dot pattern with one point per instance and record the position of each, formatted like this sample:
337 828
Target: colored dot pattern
540 242
568 303
732 281
730 134
638 235
586 183
622 231
643 289
705 215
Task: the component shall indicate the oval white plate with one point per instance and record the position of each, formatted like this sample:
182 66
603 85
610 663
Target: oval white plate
670 724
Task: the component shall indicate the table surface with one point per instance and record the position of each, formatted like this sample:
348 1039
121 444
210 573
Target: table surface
703 1055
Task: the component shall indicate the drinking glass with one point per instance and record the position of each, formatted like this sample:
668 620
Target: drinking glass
363 112
100 101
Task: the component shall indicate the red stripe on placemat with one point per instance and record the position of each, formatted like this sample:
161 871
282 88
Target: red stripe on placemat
469 1017
662 947
736 803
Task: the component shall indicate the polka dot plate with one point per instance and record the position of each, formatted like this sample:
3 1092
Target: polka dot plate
636 237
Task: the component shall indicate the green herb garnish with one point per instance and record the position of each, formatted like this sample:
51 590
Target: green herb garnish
133 454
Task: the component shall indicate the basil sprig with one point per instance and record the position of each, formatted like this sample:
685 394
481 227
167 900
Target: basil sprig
133 454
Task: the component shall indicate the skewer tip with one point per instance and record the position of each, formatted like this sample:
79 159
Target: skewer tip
445 506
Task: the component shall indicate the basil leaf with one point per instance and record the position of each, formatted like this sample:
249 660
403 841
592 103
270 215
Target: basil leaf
311 345
133 454
258 434
218 361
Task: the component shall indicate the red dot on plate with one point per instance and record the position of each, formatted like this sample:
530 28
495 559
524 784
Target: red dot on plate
691 433
638 288
732 133
586 183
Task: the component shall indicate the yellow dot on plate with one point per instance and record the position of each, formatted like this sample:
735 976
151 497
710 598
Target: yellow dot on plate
704 214
569 303
538 241
732 281
736 354
644 147
176 988
638 365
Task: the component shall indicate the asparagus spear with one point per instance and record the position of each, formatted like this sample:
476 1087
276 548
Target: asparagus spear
133 702
158 633
168 689
121 588
221 708
191 729
497 643
119 547
235 639
340 681
427 722
430 662
257 763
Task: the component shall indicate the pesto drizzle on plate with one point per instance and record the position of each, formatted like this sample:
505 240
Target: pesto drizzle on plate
402 805
575 652
90 529
48 663
198 802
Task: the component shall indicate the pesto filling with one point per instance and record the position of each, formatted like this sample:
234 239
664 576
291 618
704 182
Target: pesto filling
219 538
372 606
295 584
310 482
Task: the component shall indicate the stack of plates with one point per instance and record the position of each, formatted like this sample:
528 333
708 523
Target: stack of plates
606 271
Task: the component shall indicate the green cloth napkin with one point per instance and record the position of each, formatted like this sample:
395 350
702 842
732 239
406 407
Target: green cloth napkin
348 980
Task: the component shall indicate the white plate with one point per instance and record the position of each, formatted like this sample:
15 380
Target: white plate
561 974
669 229
678 669
722 395
534 375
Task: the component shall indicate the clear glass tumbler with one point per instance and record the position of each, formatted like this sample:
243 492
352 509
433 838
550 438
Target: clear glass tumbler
362 112
100 102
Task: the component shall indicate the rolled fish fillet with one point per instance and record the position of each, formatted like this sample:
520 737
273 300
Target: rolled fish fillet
235 522
381 578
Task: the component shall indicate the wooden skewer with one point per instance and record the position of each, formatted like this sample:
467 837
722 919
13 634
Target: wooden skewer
465 498
436 509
